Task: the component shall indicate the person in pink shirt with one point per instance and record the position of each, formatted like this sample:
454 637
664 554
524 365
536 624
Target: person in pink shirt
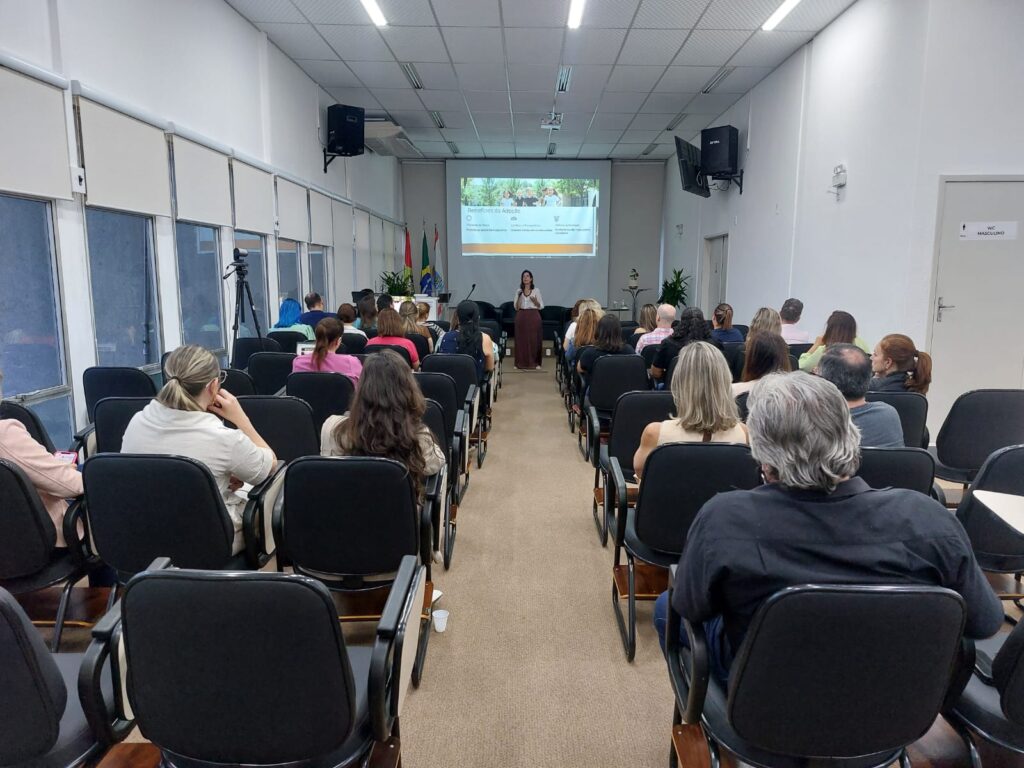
324 358
391 333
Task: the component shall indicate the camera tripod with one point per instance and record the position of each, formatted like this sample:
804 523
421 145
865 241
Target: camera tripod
240 270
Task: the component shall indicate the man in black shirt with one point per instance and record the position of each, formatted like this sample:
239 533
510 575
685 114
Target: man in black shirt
814 523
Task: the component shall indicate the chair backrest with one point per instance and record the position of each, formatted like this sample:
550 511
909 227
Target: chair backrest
912 408
434 418
910 468
648 353
112 417
444 325
192 662
354 343
354 516
33 695
12 410
462 369
798 349
735 352
678 479
286 423
492 328
288 340
328 394
244 348
487 310
613 375
420 342
889 649
441 388
979 423
270 371
100 382
141 507
997 544
1008 675
27 534
554 315
744 329
633 412
238 383
402 352
670 371
741 405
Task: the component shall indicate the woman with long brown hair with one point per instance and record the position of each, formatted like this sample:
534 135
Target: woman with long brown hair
529 331
325 357
841 328
765 353
899 366
391 333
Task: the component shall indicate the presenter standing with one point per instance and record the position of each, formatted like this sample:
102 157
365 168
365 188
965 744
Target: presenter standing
529 328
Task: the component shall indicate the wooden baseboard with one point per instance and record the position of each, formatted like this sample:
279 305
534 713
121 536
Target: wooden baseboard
650 580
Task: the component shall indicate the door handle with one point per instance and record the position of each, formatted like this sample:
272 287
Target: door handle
939 307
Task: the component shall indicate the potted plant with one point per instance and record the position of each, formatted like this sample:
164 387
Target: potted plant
396 284
674 291
634 278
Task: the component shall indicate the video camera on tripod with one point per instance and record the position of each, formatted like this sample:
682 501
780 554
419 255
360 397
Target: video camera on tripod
240 269
239 264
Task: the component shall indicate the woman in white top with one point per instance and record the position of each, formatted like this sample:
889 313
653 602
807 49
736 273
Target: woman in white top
183 421
706 411
529 326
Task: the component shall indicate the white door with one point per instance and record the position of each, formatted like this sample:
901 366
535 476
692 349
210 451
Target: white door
976 340
716 257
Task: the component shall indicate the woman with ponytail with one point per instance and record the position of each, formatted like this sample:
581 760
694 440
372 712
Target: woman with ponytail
325 357
899 366
183 421
721 323
467 338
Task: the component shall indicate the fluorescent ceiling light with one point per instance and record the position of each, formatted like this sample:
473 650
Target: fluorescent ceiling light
576 13
564 75
453 147
773 21
376 14
412 75
436 117
650 148
715 81
551 148
675 121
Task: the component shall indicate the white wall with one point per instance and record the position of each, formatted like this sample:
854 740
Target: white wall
900 91
424 192
635 228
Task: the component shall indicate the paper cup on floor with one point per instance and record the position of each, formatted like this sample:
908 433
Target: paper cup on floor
440 620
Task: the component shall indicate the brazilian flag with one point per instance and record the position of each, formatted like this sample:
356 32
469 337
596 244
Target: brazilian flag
426 273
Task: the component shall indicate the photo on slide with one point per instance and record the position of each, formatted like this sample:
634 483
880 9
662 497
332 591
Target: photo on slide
529 193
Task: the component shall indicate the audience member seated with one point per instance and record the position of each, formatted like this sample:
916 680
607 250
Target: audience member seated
183 421
607 341
648 321
367 308
584 333
314 310
814 522
389 331
581 306
792 310
899 366
422 313
840 328
766 320
408 313
466 338
288 319
666 315
325 357
849 368
705 409
384 301
347 315
721 324
765 353
691 327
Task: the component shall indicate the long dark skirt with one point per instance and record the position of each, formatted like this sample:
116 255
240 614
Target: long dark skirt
529 338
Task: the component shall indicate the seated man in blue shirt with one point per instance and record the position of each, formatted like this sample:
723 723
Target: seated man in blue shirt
849 368
314 310
813 522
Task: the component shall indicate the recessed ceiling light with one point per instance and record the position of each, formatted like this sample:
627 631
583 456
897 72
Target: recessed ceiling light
412 75
675 121
376 14
650 148
436 117
453 147
780 13
576 13
715 81
551 148
564 75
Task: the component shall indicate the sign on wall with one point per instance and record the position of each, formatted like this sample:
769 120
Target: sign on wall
988 230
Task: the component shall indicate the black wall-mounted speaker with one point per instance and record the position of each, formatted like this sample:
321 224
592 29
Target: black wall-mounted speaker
719 151
345 130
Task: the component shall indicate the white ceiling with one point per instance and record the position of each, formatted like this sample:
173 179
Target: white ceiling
489 66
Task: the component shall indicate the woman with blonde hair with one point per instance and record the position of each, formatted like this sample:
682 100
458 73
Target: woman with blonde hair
766 320
705 409
183 421
586 332
409 314
581 306
648 321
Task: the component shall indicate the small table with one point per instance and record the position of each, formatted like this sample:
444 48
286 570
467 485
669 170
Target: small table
634 292
1008 507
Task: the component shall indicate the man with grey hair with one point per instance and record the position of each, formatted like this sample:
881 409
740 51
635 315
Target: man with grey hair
849 368
813 522
666 316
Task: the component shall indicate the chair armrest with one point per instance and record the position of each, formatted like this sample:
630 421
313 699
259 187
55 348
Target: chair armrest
392 613
426 533
84 442
277 526
78 546
593 434
256 528
108 727
693 683
621 500
383 703
938 494
963 668
473 405
433 486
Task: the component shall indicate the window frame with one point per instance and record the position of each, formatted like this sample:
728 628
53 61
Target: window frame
298 267
266 324
222 349
311 248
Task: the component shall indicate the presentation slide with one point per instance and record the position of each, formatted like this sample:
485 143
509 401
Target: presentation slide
530 218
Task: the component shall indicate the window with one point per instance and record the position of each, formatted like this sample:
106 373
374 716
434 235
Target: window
199 286
123 278
31 345
257 280
287 270
318 272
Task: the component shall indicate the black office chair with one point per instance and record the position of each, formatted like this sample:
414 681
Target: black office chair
441 388
238 383
444 325
487 310
909 468
252 669
354 343
633 412
648 353
402 352
678 479
245 348
741 405
462 369
611 377
979 423
552 319
286 423
735 352
29 559
421 343
51 718
889 649
507 318
795 350
912 408
12 410
744 329
438 487
288 340
100 382
113 414
270 371
998 546
328 394
348 522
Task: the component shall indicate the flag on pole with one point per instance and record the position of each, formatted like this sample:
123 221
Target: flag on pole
407 272
438 277
426 274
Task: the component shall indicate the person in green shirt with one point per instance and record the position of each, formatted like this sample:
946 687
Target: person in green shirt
841 328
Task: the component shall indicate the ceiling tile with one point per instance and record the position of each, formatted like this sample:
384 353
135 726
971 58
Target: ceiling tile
469 149
813 15
499 149
712 103
710 47
329 73
567 148
622 101
532 77
397 98
640 137
415 43
685 79
493 121
527 120
533 134
417 135
595 150
413 119
379 74
664 103
603 135
742 79
268 10
482 76
473 44
609 120
592 46
436 76
405 13
769 49
609 13
576 101
532 101
356 43
628 150
530 152
300 41
333 12
654 121
487 101
467 13
496 136
443 100
533 45
634 78
354 97
589 77
456 119
662 152
738 14
531 147
435 148
675 14
459 134
527 13
651 46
